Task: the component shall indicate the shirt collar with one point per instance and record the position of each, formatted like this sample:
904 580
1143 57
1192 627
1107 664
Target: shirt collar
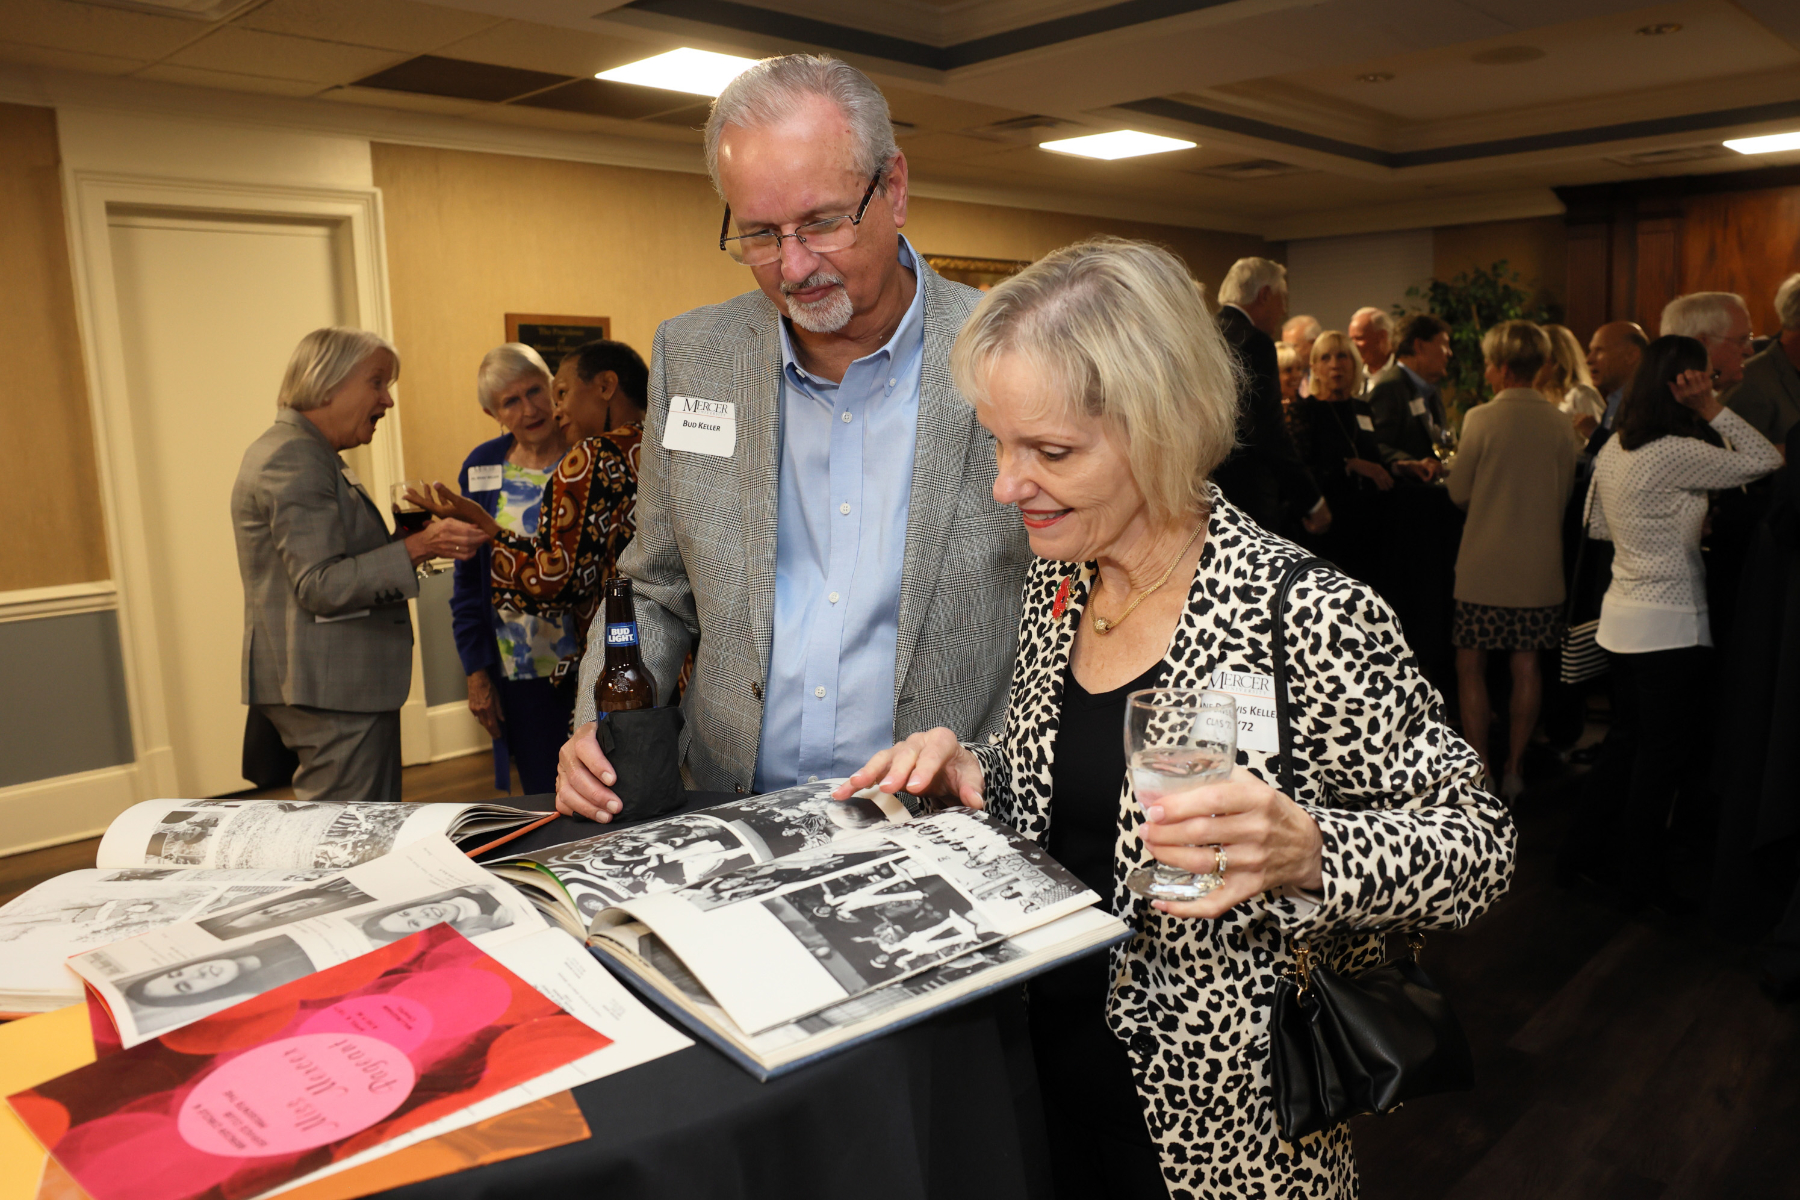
1427 389
908 336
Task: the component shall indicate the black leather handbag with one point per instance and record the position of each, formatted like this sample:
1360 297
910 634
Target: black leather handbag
1341 1045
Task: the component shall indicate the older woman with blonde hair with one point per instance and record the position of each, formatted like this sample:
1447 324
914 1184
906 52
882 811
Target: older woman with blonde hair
1513 475
1334 430
327 635
1110 398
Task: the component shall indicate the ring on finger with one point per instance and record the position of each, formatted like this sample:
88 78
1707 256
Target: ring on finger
1219 863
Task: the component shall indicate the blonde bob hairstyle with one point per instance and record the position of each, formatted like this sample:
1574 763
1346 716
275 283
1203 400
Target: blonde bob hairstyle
1337 339
323 361
1120 331
1519 348
1566 367
504 366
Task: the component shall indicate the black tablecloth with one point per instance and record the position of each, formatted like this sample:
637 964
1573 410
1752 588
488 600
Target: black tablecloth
947 1108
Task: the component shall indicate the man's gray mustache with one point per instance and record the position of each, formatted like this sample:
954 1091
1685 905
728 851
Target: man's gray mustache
814 280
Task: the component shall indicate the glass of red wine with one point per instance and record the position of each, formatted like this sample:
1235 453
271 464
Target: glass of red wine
410 518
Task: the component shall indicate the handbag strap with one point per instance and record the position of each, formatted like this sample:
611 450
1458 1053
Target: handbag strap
1284 734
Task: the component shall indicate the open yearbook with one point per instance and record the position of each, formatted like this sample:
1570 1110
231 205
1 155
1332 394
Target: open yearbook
165 861
791 925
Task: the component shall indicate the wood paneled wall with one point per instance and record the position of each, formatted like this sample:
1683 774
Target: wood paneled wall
1634 247
57 535
472 236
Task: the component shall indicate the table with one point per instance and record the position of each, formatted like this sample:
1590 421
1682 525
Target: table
946 1108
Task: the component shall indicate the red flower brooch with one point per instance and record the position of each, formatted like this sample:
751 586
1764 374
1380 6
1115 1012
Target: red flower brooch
1062 599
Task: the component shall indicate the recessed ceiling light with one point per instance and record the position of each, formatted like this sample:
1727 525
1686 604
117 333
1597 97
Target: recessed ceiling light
1121 143
1658 29
1768 144
1376 77
700 72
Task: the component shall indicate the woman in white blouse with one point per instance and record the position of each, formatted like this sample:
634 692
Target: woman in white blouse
1674 443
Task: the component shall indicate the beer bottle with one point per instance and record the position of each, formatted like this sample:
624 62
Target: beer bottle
624 684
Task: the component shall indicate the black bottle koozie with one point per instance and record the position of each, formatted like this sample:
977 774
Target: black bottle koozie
644 747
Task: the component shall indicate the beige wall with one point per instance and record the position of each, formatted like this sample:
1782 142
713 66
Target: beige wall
471 237
58 536
1536 248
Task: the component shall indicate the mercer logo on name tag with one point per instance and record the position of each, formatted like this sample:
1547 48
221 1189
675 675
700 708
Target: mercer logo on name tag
1255 696
701 426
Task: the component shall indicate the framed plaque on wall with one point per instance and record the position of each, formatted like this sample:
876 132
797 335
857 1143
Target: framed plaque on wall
554 336
981 273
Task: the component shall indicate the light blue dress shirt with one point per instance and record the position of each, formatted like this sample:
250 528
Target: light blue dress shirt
846 487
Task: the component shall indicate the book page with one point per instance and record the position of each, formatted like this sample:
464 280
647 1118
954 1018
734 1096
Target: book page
662 855
775 942
173 976
268 834
81 909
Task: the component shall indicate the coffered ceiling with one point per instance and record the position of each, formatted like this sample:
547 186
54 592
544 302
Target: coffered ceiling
1313 117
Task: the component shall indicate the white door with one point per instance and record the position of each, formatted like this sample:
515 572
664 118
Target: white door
209 311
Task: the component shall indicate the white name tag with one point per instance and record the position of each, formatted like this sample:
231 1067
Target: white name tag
1365 422
1255 696
1417 407
349 616
701 426
486 479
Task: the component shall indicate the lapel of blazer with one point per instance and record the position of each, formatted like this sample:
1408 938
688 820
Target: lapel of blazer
756 389
939 459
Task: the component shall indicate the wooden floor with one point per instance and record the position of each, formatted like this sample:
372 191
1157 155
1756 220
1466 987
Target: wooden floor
1620 1058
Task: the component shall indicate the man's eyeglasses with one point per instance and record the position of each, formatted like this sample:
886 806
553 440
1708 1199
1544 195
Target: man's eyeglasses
821 237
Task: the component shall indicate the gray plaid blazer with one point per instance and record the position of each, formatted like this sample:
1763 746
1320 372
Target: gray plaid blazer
311 544
703 561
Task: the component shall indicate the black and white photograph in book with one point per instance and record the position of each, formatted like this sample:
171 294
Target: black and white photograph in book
879 922
785 825
334 895
997 869
468 910
669 854
361 832
749 882
180 840
171 996
97 920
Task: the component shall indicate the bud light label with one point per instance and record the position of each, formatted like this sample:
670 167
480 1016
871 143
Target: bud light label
622 635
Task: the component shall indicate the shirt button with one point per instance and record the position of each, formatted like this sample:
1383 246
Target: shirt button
892 382
833 597
819 692
812 779
844 508
846 418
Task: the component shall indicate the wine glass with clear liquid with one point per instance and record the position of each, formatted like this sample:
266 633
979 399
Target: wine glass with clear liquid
1176 739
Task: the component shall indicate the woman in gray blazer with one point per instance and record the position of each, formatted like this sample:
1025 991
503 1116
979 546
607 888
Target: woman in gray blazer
327 637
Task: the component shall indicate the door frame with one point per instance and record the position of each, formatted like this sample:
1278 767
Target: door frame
92 197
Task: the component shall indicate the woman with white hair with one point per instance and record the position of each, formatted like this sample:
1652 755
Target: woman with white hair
1110 397
327 635
510 655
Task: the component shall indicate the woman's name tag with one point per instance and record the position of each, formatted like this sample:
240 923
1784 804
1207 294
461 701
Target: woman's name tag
1255 696
701 426
486 479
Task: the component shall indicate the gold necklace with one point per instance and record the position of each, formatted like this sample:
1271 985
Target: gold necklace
1104 626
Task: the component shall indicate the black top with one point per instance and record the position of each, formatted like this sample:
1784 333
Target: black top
1330 434
1085 776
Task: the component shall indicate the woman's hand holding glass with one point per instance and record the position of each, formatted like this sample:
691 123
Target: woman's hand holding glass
932 763
1269 842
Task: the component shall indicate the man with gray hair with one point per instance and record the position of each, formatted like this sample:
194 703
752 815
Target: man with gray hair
815 510
1373 332
1720 322
1264 476
1301 332
1769 396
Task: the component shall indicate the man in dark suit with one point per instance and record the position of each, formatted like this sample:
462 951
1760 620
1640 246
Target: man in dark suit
1264 476
1409 413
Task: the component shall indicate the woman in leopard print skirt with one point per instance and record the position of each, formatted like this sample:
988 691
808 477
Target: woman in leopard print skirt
1110 395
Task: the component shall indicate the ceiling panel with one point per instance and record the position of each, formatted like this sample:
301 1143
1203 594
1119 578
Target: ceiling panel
93 30
228 80
546 48
433 75
387 24
603 98
275 56
68 60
